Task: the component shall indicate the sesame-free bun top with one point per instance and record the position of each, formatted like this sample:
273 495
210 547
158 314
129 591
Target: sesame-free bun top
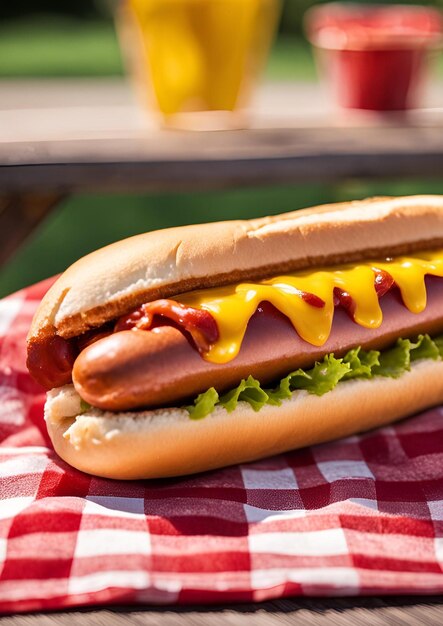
115 279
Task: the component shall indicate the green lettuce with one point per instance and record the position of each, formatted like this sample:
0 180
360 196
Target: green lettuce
324 376
361 363
247 391
425 348
438 341
84 406
393 362
203 404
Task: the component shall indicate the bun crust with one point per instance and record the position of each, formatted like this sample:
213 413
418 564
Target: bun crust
112 281
162 443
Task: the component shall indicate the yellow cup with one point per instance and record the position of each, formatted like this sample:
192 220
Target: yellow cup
196 61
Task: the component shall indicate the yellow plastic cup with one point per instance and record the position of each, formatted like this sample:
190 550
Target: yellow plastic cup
196 62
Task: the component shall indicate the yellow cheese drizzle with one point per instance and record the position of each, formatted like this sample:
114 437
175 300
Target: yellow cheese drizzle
234 305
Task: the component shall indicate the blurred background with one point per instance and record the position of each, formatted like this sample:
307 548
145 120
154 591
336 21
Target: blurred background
76 38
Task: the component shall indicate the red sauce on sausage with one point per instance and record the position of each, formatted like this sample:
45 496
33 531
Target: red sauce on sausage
198 323
51 360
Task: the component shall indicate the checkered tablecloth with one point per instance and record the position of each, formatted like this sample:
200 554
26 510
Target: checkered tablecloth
363 515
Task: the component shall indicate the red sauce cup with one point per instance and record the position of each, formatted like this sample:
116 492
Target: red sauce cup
375 57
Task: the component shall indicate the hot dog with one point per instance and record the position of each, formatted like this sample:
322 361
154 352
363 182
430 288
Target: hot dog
131 334
130 370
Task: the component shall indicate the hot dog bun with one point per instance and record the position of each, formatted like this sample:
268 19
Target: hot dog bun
166 442
162 443
112 281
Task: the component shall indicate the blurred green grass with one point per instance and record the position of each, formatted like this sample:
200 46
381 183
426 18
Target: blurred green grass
56 46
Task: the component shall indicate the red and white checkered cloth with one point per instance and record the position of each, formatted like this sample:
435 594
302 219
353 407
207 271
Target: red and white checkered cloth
363 515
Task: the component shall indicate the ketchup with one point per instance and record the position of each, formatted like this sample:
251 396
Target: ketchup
198 323
383 283
50 361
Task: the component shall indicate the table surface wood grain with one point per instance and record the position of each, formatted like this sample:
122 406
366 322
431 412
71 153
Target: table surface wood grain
82 135
398 611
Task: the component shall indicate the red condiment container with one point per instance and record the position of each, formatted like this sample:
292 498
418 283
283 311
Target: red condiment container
375 57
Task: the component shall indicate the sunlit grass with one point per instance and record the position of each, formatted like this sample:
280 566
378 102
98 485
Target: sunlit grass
59 47
291 59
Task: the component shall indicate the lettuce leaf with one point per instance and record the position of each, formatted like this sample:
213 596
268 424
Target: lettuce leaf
425 348
84 406
361 363
247 391
394 362
438 341
204 404
324 376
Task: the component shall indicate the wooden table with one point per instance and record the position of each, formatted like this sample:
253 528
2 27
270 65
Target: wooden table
63 137
58 138
305 612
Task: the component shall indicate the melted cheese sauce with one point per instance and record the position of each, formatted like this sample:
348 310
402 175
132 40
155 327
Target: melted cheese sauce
234 305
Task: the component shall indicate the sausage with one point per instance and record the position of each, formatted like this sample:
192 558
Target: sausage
160 367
